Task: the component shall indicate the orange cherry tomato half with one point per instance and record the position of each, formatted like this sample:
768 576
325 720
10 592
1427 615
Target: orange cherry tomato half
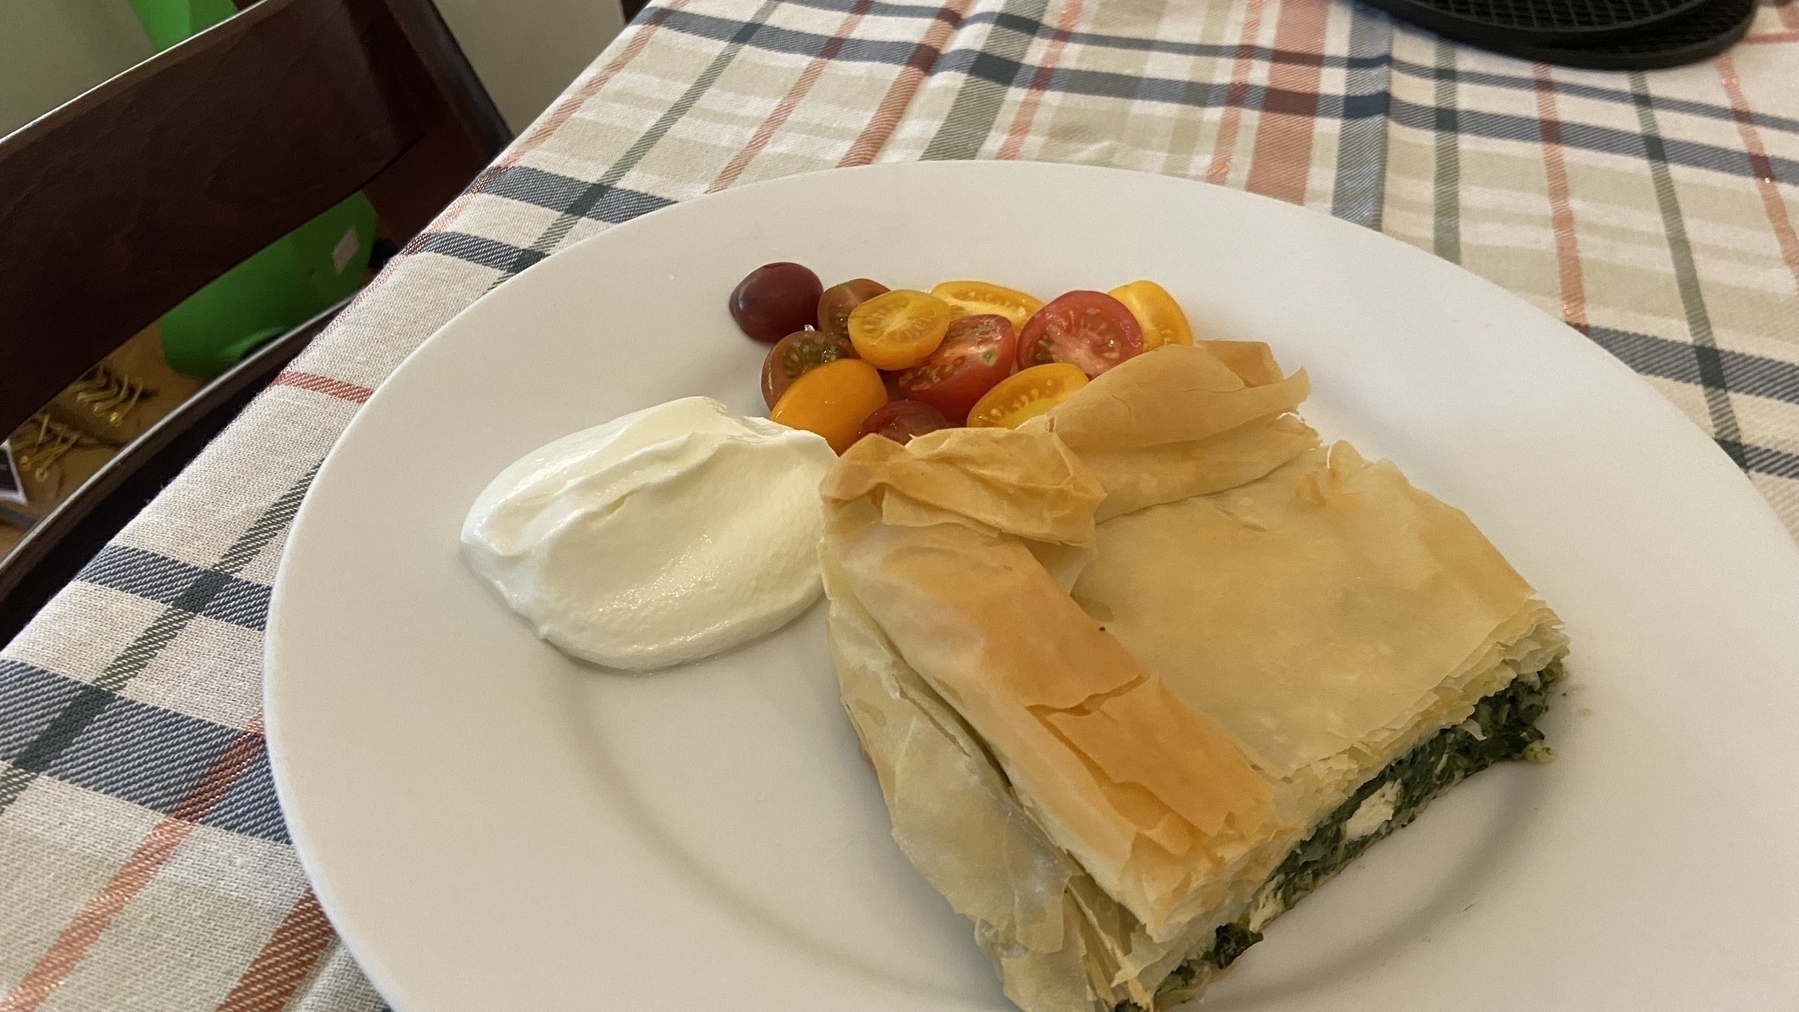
1025 395
835 305
976 298
1088 329
902 420
797 354
1156 312
900 329
976 353
832 400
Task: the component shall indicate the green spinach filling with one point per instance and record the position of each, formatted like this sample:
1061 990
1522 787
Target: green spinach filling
1507 730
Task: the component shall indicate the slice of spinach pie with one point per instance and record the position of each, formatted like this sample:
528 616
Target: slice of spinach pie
1142 673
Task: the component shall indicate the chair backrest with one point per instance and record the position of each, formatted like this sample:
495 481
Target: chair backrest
131 197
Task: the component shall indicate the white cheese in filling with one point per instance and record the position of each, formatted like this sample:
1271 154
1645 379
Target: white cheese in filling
1373 813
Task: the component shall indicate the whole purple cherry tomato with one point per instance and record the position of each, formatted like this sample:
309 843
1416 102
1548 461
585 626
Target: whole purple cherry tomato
775 300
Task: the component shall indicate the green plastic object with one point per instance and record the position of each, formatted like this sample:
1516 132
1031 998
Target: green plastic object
170 21
292 280
289 282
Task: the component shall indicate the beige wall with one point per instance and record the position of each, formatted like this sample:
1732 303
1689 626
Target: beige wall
525 51
53 50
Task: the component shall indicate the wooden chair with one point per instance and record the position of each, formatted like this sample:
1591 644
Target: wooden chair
121 203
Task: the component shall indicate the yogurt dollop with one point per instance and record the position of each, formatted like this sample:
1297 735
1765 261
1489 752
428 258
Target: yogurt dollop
658 538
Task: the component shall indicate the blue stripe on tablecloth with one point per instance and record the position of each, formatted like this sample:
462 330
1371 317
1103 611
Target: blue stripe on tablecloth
1679 360
1359 193
133 751
166 581
478 250
1762 459
1718 406
143 754
30 698
1616 96
560 193
250 807
1586 136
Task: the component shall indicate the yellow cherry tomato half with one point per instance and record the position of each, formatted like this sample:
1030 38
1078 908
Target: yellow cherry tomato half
1025 394
832 400
978 298
900 329
1156 312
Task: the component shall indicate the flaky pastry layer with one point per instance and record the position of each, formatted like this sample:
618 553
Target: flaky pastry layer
1257 624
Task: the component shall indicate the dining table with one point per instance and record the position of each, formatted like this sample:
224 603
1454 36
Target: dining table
144 860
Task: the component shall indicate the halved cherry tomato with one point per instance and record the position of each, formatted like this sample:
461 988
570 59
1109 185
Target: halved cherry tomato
901 420
976 298
832 400
1088 329
797 354
1156 312
835 304
976 353
1026 394
900 329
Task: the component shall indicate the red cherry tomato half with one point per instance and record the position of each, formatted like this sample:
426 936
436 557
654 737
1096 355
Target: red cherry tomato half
902 420
976 353
775 300
1091 330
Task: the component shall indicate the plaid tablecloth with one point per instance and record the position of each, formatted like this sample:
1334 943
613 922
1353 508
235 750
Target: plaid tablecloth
143 859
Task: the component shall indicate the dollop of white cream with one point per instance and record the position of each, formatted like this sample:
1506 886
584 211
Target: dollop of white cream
658 538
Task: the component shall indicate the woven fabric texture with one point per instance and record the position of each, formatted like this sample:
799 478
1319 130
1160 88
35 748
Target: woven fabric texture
144 863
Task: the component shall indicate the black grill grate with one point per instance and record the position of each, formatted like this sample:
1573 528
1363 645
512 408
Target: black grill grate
1603 34
1497 23
1703 32
1561 15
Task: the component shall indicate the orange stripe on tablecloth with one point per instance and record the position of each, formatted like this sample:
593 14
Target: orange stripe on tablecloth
1033 96
1232 117
899 94
284 962
1760 165
801 86
1766 37
1281 162
323 385
1561 213
72 946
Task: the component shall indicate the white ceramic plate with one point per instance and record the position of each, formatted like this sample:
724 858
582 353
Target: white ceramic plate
492 826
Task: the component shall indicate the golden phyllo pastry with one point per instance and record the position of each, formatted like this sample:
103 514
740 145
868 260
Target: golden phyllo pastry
1115 667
